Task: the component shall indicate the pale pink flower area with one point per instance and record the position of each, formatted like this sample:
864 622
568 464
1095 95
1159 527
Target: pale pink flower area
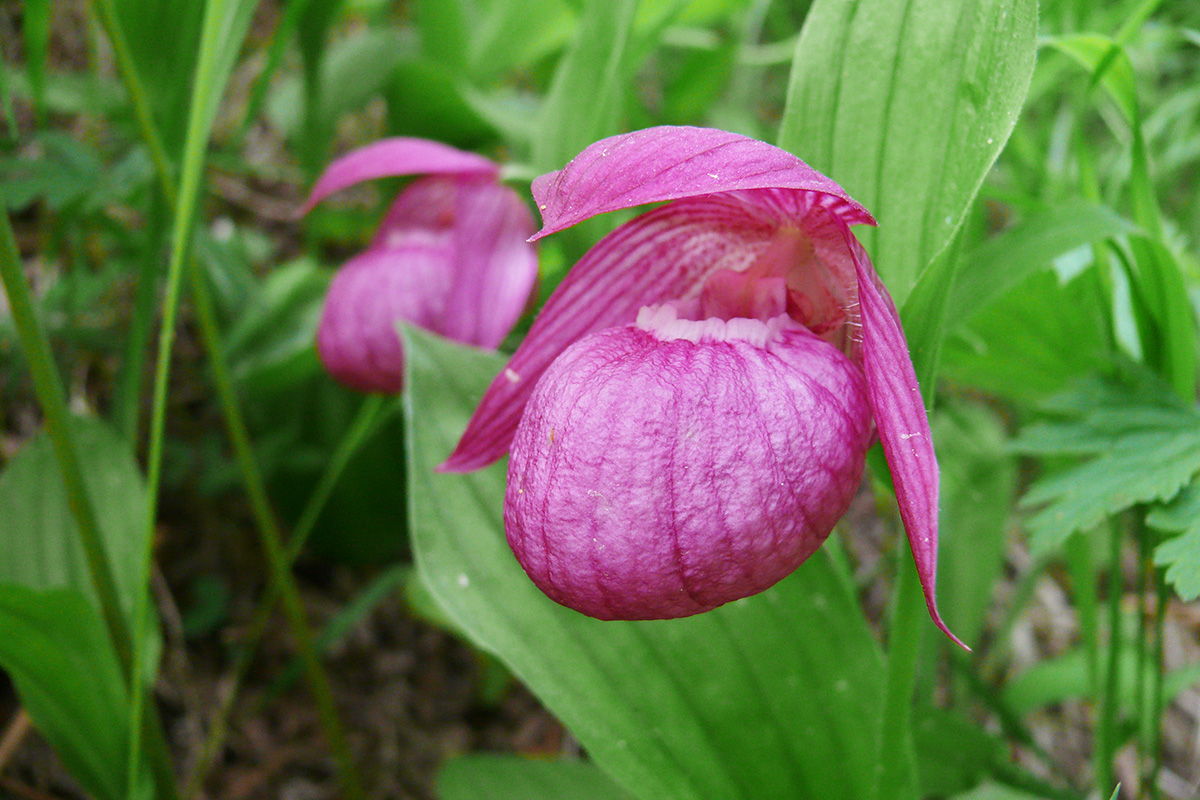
452 256
689 415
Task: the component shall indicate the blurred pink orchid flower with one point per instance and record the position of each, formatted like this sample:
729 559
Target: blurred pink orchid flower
452 255
689 415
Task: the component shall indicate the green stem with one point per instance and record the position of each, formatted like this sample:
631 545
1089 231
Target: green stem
893 778
272 542
1106 727
364 425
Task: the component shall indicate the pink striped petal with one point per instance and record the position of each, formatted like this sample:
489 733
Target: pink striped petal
670 163
396 156
659 256
903 426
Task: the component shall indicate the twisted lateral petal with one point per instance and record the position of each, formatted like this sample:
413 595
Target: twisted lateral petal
408 280
670 163
903 426
662 255
656 477
396 156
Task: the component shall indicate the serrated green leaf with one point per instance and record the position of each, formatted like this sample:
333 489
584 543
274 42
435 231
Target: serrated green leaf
906 104
777 695
1180 554
482 777
1146 448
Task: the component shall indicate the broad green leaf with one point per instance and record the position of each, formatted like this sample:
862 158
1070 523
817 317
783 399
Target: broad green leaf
954 752
54 647
1144 446
586 99
1033 340
443 29
354 70
513 34
776 695
1181 553
163 38
906 104
978 482
38 538
425 100
488 777
1032 244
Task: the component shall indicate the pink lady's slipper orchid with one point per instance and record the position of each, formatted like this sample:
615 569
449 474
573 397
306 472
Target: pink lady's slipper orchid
689 415
451 256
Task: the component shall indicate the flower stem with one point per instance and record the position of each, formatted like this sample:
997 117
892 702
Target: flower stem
1106 727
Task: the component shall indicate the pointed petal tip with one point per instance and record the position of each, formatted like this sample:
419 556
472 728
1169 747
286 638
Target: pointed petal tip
931 604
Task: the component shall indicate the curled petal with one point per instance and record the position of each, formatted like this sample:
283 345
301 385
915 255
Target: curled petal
903 426
670 163
396 156
655 478
357 338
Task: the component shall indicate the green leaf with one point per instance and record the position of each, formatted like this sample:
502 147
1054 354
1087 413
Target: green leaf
1067 676
998 791
1144 443
954 752
1093 50
54 647
163 38
483 777
513 34
1180 554
1033 340
587 96
906 104
38 538
1034 243
776 695
35 24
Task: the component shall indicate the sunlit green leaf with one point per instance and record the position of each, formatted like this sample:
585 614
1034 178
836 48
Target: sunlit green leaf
777 695
906 104
586 99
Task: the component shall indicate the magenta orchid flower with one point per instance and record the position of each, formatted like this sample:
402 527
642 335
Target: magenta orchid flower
451 256
689 415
